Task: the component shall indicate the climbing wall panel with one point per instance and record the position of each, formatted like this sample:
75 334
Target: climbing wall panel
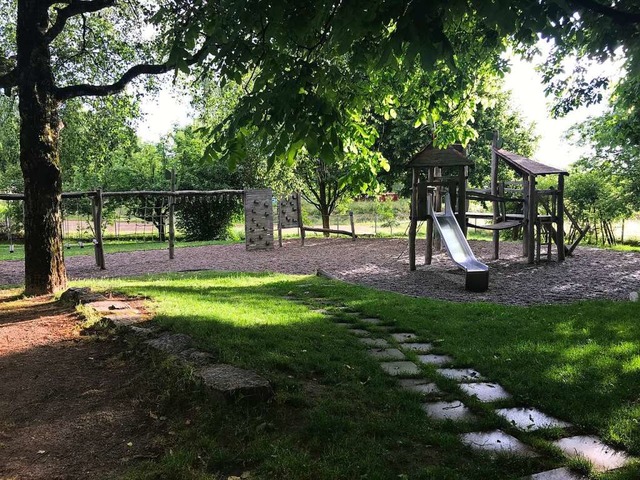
258 214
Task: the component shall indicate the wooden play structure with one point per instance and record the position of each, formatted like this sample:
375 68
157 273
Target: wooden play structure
290 216
539 214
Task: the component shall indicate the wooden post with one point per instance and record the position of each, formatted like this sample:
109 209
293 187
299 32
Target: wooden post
525 215
353 227
428 256
462 200
280 202
532 217
172 212
437 206
97 229
299 205
494 191
560 219
414 219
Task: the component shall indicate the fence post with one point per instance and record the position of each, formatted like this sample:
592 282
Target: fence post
353 227
97 228
172 230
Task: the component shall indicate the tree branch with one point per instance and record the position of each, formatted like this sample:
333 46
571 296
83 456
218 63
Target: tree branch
9 80
618 16
75 7
82 90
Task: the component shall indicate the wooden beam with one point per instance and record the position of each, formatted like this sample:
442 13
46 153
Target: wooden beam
532 214
494 192
560 220
414 219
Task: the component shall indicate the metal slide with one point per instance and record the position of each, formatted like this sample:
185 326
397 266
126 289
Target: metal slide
476 273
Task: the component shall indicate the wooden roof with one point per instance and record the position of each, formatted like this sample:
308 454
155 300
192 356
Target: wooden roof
430 156
527 166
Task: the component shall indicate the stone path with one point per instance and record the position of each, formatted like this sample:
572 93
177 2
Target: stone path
402 354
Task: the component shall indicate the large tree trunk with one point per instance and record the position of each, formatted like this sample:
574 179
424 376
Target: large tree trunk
326 221
39 157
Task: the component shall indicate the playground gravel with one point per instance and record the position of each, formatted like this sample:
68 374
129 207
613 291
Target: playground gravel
383 263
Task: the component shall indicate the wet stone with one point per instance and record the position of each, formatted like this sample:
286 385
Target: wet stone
374 342
455 411
387 354
419 385
417 347
400 368
359 332
496 442
371 321
403 337
172 343
485 392
602 456
556 474
435 359
530 419
460 374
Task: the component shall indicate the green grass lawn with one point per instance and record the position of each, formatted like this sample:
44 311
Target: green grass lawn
110 246
336 415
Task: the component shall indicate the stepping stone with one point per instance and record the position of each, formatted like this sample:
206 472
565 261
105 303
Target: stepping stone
485 392
417 347
419 385
434 359
343 324
397 369
374 342
371 321
556 474
455 411
387 354
460 374
530 419
496 442
108 306
602 456
231 383
172 343
359 332
404 337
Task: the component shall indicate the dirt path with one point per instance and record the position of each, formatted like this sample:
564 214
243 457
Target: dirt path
383 263
70 406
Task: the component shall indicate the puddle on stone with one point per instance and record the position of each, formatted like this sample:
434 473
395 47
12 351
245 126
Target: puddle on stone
455 411
404 337
557 474
529 419
496 442
460 374
602 456
485 392
374 342
419 385
387 354
434 359
400 368
417 347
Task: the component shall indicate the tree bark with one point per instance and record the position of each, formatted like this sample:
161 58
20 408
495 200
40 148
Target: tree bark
326 221
39 158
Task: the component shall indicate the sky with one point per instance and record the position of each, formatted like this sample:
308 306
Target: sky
165 110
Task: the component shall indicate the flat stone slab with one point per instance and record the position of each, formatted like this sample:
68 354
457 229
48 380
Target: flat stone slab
108 306
232 383
485 392
374 342
456 411
460 374
343 324
417 347
556 474
403 337
400 368
601 456
370 320
496 442
419 385
530 419
172 343
359 332
435 359
386 354
124 318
